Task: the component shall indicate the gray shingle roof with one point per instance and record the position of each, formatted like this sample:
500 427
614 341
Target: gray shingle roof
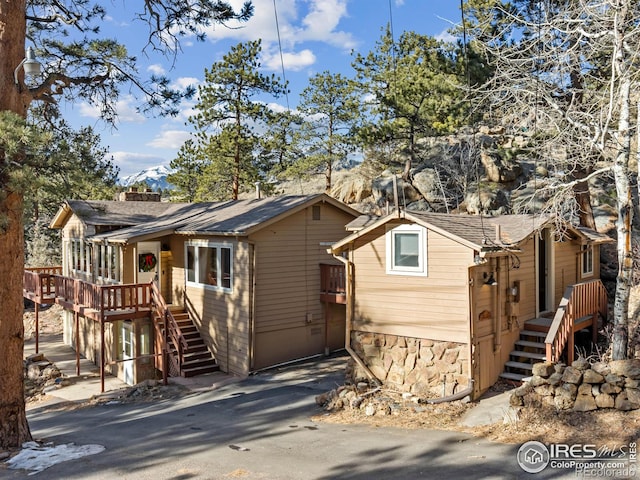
481 233
238 217
113 213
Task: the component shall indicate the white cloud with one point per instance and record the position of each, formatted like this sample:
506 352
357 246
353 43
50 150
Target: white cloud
170 139
292 61
125 108
156 69
184 82
298 22
445 36
321 23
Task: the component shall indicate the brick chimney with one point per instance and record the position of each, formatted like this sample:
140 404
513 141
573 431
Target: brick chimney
133 195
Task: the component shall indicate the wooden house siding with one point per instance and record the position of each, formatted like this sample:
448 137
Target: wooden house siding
435 306
222 318
289 317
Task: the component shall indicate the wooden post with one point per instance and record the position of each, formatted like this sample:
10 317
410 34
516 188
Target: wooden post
165 353
77 322
101 355
570 346
37 326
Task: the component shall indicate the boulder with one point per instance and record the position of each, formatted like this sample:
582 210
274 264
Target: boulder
584 403
604 401
589 376
572 375
487 201
498 169
627 368
543 369
427 182
382 189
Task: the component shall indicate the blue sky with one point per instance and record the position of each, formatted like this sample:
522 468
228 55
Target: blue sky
316 36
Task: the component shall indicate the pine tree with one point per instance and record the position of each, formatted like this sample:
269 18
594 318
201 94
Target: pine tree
229 110
93 69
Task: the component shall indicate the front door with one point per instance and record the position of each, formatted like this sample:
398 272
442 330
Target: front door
545 271
127 351
147 262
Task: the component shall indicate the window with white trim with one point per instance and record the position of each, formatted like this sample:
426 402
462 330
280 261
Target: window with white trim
407 250
209 264
587 260
79 256
109 262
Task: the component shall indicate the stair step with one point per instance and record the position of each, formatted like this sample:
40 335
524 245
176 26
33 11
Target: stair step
533 355
514 376
191 356
538 324
197 362
520 365
532 333
526 343
192 372
196 357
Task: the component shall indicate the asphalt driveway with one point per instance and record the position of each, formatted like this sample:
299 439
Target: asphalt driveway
259 428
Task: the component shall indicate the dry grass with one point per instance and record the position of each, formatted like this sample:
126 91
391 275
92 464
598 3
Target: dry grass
534 422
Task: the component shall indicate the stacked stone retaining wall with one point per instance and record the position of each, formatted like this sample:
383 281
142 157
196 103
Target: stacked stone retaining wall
423 367
583 386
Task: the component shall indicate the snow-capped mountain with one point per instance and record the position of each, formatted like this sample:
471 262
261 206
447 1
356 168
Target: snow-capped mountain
155 178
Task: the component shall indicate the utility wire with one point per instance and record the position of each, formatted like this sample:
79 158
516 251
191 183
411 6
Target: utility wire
284 78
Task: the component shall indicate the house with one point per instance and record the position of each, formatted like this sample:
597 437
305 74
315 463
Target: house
443 305
240 280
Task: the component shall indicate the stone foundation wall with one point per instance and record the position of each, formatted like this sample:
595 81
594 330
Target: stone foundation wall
423 367
584 386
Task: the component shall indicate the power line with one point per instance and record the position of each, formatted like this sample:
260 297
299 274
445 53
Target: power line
284 78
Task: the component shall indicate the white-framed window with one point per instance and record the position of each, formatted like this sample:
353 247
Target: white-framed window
79 256
108 262
209 264
407 250
587 260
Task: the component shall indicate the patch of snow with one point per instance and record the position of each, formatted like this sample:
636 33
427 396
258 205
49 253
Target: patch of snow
36 457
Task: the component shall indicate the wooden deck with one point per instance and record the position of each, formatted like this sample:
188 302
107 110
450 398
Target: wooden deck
101 303
332 284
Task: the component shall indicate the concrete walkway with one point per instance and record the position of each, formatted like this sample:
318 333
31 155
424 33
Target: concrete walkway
87 384
491 408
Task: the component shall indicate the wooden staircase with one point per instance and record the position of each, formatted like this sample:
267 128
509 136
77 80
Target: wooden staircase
545 339
529 349
196 358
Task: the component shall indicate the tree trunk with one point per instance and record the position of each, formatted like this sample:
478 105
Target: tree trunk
621 172
14 429
583 198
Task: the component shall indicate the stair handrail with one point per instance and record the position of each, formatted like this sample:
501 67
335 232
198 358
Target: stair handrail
172 331
579 300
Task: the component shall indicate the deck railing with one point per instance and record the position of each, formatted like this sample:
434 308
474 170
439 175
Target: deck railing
332 278
85 297
580 301
169 331
40 280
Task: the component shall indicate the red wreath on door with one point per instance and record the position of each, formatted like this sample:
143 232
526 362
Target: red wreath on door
147 262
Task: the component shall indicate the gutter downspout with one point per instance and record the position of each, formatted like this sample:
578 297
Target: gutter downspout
252 305
497 340
347 335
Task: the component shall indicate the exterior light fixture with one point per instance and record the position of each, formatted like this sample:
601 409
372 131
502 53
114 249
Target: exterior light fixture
491 281
32 67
